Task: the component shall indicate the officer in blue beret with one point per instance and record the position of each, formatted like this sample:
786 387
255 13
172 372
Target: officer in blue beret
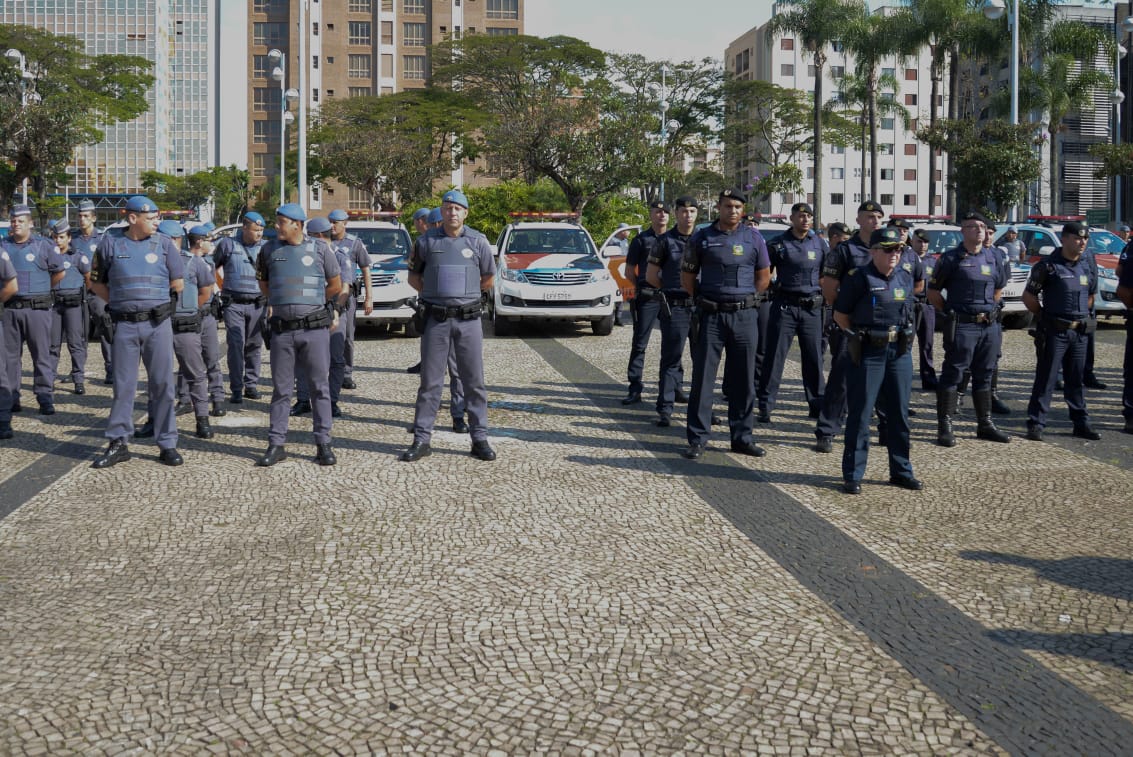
725 267
646 303
973 277
299 276
1067 283
356 278
85 241
9 286
242 305
450 266
200 244
421 220
28 315
874 311
69 314
140 275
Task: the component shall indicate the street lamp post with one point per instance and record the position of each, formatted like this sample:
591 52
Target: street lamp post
666 126
1119 98
27 82
286 97
993 9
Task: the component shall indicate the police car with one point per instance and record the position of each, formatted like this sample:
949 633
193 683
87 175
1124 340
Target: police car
614 256
548 269
4 226
388 243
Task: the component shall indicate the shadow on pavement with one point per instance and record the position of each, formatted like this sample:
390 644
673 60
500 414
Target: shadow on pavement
1114 649
1111 576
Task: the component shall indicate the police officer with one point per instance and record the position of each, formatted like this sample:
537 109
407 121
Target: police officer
450 267
1067 284
320 228
1016 250
874 310
926 314
202 248
9 285
299 276
193 297
69 315
28 315
359 261
837 233
85 242
663 275
243 305
1125 294
645 303
796 310
136 274
973 276
731 261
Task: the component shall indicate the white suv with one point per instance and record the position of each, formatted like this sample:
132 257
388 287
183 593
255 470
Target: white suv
388 243
548 269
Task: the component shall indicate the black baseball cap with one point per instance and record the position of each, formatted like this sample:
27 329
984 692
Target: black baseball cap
885 237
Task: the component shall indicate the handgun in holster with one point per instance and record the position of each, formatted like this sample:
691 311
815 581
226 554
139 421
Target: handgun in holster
854 341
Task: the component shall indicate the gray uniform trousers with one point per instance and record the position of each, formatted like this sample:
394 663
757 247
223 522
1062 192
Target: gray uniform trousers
243 331
32 327
153 344
306 353
5 391
456 402
210 353
192 371
464 341
70 323
346 325
96 306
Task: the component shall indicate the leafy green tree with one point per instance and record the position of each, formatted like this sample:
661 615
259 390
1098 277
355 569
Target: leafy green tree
73 95
853 102
226 187
393 146
816 23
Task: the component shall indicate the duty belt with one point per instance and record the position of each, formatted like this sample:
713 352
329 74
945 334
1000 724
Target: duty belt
711 306
441 313
800 299
983 318
1065 324
879 337
69 299
32 302
319 319
185 324
245 299
678 299
157 315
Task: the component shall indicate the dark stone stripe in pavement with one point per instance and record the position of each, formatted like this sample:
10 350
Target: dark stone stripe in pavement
1022 705
49 468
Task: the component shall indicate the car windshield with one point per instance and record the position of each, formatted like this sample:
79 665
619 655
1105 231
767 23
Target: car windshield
384 242
550 242
942 240
1104 242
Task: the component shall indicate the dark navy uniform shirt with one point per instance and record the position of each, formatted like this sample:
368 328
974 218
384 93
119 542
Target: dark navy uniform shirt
667 255
846 257
874 301
640 250
1065 286
726 261
797 262
971 280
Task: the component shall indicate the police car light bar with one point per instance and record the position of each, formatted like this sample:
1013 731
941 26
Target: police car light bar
544 215
376 215
919 217
1064 219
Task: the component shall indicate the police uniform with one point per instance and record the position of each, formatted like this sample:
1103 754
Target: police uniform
210 337
139 274
338 336
973 337
28 316
1066 288
242 309
795 310
727 263
1125 281
358 259
451 270
187 331
676 320
69 315
296 277
880 310
7 275
926 324
646 307
86 245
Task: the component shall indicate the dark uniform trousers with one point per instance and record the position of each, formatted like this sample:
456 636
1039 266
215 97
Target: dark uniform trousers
834 395
883 378
738 333
191 370
1126 372
70 323
763 323
646 312
31 327
975 348
96 308
674 332
154 345
462 342
1065 350
306 352
926 332
243 332
786 321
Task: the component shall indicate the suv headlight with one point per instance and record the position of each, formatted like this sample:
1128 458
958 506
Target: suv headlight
510 275
1107 273
597 276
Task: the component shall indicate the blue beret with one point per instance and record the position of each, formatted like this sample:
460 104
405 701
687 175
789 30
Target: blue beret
420 213
435 215
318 225
85 205
255 218
337 215
292 210
171 229
58 226
140 204
200 230
20 210
455 195
209 225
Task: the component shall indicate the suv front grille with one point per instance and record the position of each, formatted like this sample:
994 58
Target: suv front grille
557 278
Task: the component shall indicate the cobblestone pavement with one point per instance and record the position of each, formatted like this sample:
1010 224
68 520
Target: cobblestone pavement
590 591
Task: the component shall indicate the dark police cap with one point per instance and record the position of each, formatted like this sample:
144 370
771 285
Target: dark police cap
838 228
922 235
975 215
659 205
886 237
1076 229
802 207
733 194
900 223
869 206
684 201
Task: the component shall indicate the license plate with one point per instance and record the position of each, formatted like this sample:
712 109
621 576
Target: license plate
556 296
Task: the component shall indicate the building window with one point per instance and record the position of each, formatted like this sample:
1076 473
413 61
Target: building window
414 6
910 74
837 150
909 200
836 198
885 148
358 67
787 43
269 34
910 99
837 72
330 93
503 9
857 173
837 173
837 46
500 31
787 69
857 197
314 61
360 6
315 95
886 199
265 130
263 164
260 67
887 174
892 72
265 99
910 174
358 91
413 66
267 6
315 29
810 172
358 33
413 34
887 124
810 70
911 148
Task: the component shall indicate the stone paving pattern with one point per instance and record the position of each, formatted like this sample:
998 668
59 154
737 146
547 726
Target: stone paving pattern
576 596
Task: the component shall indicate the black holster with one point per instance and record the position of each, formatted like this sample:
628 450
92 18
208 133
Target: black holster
948 328
854 346
187 324
905 340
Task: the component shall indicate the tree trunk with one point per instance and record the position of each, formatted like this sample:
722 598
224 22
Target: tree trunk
819 65
865 165
953 104
871 111
937 75
1055 205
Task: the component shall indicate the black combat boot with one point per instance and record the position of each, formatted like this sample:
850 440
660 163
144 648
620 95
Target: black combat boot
985 427
998 406
945 408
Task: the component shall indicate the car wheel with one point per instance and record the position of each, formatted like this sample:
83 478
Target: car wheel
603 326
501 326
413 327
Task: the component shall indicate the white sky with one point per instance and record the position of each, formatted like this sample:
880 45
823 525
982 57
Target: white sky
657 29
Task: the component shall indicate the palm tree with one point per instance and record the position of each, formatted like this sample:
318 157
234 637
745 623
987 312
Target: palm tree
816 24
853 99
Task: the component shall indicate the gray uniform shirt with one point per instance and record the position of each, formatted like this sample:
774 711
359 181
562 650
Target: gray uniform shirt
325 259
